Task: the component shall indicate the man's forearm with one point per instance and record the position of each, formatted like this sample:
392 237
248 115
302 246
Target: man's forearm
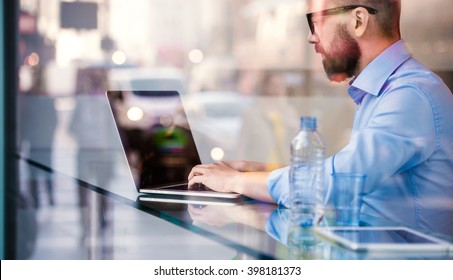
253 185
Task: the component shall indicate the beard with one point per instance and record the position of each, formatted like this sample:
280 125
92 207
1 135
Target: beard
342 58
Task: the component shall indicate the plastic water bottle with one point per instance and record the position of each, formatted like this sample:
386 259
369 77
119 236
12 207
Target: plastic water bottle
307 174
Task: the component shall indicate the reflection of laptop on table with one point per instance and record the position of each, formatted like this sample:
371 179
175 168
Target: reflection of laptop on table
159 146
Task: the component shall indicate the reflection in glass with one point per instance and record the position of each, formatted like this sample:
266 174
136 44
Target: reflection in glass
197 47
303 245
269 124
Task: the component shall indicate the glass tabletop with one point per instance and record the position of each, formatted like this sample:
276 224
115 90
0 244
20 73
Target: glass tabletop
115 225
77 200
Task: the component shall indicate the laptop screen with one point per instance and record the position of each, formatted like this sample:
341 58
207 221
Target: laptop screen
155 135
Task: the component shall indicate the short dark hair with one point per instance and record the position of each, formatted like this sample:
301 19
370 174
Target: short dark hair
387 17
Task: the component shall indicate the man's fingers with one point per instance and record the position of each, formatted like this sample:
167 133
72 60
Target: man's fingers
194 210
196 170
201 169
196 179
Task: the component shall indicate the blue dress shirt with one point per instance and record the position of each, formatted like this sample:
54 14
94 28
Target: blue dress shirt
402 139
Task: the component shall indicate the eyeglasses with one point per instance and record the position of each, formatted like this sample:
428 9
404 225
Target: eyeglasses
334 11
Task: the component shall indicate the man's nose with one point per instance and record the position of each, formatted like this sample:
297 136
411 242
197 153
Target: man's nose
313 38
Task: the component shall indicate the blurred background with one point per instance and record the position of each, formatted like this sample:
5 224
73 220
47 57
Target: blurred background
219 54
243 67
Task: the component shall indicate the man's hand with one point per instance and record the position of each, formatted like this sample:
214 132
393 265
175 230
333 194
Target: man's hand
243 177
219 177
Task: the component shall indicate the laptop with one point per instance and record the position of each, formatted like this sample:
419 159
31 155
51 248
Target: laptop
159 146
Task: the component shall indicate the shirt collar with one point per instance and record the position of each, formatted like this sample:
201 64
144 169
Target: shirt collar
373 77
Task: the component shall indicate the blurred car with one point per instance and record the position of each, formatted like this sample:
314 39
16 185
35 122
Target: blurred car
140 78
140 108
144 109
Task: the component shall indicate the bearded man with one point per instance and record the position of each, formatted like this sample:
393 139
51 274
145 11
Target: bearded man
402 136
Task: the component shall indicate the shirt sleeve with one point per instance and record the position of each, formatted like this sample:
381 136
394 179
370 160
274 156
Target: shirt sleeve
277 184
277 225
398 134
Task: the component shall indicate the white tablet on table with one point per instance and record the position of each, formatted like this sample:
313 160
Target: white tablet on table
384 239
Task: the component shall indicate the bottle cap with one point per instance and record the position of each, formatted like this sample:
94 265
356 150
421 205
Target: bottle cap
308 123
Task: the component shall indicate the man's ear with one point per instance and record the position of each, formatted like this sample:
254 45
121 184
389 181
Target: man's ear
360 21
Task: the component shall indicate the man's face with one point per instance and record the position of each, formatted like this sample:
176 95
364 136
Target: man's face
339 50
341 56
